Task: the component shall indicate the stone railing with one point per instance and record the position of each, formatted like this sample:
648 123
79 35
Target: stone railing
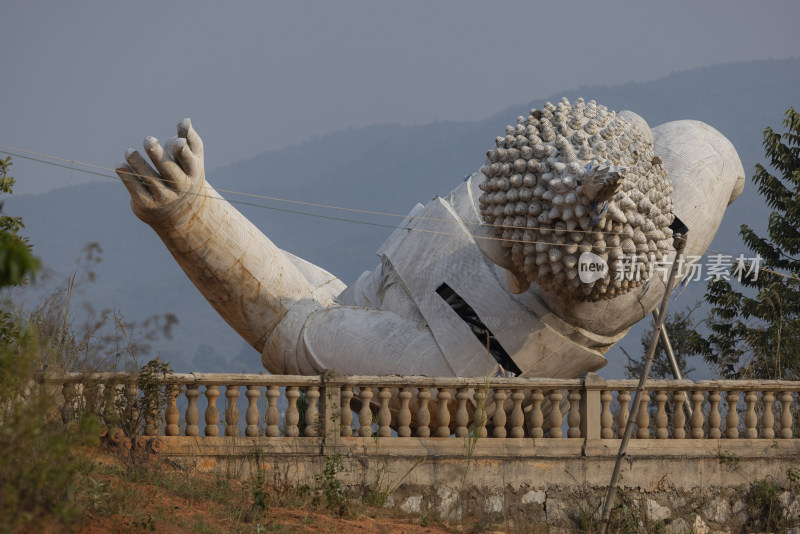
334 406
517 450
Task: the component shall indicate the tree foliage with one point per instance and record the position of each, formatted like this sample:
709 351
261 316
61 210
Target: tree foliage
16 260
755 327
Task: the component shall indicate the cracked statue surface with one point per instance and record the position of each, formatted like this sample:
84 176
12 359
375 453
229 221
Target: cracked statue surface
486 276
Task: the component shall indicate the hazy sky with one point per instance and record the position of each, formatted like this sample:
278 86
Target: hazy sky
86 80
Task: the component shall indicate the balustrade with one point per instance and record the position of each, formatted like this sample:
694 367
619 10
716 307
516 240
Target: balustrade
439 408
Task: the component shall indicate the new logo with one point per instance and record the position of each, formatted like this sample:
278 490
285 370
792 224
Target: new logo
591 267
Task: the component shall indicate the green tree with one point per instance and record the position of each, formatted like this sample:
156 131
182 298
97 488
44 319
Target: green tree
16 260
755 328
39 464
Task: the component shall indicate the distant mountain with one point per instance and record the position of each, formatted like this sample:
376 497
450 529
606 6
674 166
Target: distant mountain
386 168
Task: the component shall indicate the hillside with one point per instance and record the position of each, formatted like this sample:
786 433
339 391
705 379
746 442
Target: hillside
385 168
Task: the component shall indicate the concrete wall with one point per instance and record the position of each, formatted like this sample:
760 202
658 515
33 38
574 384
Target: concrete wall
680 485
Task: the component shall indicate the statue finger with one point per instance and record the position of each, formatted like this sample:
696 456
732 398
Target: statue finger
171 174
183 155
137 190
149 177
186 131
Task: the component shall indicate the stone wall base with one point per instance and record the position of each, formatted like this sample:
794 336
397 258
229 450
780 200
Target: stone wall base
524 484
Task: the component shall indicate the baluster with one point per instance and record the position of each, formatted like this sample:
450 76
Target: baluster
150 423
661 415
131 393
443 415
404 415
273 392
423 414
292 414
365 415
384 414
232 411
312 412
624 399
732 417
111 405
462 417
537 418
696 421
91 397
750 418
347 412
481 416
212 415
606 419
714 418
499 416
192 415
68 391
574 415
786 415
555 414
517 418
171 414
150 428
251 414
678 417
768 419
643 418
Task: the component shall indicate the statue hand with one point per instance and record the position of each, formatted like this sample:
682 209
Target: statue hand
175 183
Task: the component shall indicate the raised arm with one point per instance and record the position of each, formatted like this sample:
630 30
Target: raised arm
249 281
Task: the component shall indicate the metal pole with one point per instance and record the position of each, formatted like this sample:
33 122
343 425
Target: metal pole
673 362
623 448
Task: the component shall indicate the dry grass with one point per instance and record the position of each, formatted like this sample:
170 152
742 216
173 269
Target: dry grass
116 494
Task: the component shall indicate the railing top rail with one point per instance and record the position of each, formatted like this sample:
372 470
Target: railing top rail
395 381
213 379
460 382
706 385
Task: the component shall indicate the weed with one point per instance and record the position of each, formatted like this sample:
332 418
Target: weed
97 494
624 520
764 507
199 525
478 423
729 459
424 520
587 519
379 491
40 463
481 524
332 486
793 474
260 496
